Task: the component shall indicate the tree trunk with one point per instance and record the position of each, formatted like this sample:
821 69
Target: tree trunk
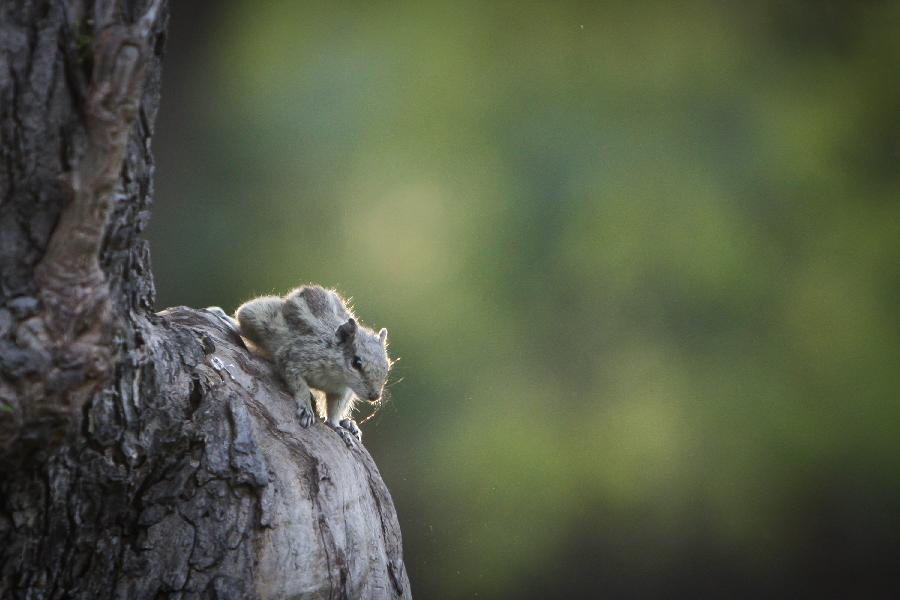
142 455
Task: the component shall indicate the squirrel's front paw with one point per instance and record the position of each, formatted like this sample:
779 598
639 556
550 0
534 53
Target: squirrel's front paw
351 426
343 433
306 416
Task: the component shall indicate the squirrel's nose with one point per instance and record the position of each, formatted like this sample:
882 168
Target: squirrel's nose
374 396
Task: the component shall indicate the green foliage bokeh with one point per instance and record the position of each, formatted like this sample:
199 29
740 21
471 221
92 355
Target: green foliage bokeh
639 263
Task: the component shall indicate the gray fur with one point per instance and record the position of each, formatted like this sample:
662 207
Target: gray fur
312 337
261 322
317 300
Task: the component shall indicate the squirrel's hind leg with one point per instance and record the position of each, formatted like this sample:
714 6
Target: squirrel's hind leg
260 321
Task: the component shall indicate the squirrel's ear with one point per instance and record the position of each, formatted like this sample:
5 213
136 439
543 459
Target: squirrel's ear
347 330
382 335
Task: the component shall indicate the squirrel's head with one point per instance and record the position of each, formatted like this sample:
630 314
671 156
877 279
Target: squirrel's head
365 359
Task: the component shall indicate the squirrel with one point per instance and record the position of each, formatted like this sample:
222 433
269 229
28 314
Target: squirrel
314 341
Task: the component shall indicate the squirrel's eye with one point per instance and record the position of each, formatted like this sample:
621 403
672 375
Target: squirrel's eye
356 363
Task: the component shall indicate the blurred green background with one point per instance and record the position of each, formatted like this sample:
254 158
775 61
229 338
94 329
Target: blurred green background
639 262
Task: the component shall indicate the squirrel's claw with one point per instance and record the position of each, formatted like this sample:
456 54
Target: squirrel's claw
305 416
351 426
343 433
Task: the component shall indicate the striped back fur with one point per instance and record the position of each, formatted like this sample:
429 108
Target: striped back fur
313 310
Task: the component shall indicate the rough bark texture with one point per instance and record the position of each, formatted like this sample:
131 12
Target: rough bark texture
142 455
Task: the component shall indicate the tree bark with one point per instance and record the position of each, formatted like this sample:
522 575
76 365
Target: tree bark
142 455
